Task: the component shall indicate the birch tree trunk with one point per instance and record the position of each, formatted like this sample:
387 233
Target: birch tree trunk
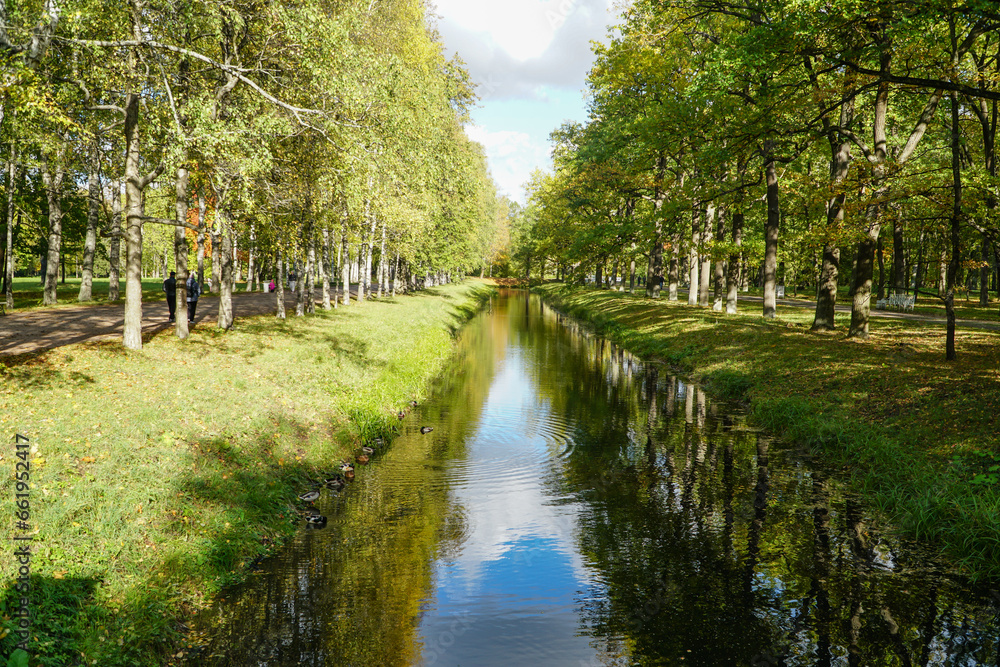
368 258
235 255
132 330
181 249
395 273
13 176
115 245
217 235
93 216
53 181
310 300
251 276
280 286
202 227
226 280
382 265
345 269
322 269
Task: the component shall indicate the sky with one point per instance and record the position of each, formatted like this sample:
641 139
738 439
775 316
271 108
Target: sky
530 59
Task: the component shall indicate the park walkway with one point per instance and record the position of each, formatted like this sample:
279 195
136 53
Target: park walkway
46 328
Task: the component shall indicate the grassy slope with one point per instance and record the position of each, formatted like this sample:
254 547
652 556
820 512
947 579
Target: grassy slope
159 475
919 434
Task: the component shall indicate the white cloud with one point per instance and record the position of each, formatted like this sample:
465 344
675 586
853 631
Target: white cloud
512 156
530 59
513 48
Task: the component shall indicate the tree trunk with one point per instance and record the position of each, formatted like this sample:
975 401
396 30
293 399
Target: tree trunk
673 270
984 273
840 164
720 265
654 268
368 257
217 235
395 273
705 275
956 221
694 280
53 181
202 227
13 178
181 248
732 292
879 255
771 237
115 245
132 331
280 285
899 282
310 241
235 257
918 279
227 277
251 275
345 268
864 268
599 274
93 217
322 269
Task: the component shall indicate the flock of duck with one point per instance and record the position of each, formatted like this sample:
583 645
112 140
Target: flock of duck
336 482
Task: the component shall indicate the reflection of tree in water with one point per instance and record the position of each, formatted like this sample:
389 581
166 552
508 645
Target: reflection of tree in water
351 593
716 547
709 543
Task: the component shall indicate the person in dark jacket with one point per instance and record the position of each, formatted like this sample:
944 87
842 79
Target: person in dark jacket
193 292
170 287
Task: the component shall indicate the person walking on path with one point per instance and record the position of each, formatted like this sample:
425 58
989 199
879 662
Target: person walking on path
170 287
193 292
292 278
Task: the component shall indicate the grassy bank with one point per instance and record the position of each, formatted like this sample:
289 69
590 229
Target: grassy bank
158 476
918 434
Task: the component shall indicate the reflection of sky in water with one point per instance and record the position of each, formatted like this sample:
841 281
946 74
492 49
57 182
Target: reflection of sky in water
518 567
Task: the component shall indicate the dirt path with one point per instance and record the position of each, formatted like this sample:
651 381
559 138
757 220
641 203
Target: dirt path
44 329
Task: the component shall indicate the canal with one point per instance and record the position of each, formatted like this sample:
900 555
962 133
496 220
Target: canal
576 506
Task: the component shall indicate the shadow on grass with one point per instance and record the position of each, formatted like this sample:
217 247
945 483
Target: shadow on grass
69 623
240 493
38 371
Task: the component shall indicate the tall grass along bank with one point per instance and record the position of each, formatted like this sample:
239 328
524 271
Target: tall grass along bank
157 477
918 434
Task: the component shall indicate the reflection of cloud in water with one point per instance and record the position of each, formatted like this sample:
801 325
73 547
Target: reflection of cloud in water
501 484
508 593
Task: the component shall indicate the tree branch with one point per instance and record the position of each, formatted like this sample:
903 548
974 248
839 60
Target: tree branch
297 112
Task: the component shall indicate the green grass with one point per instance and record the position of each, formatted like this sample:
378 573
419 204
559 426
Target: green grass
918 434
158 476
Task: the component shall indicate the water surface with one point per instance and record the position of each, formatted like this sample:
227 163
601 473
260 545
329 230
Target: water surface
575 506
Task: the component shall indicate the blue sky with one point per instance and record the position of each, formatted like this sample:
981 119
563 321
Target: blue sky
530 59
